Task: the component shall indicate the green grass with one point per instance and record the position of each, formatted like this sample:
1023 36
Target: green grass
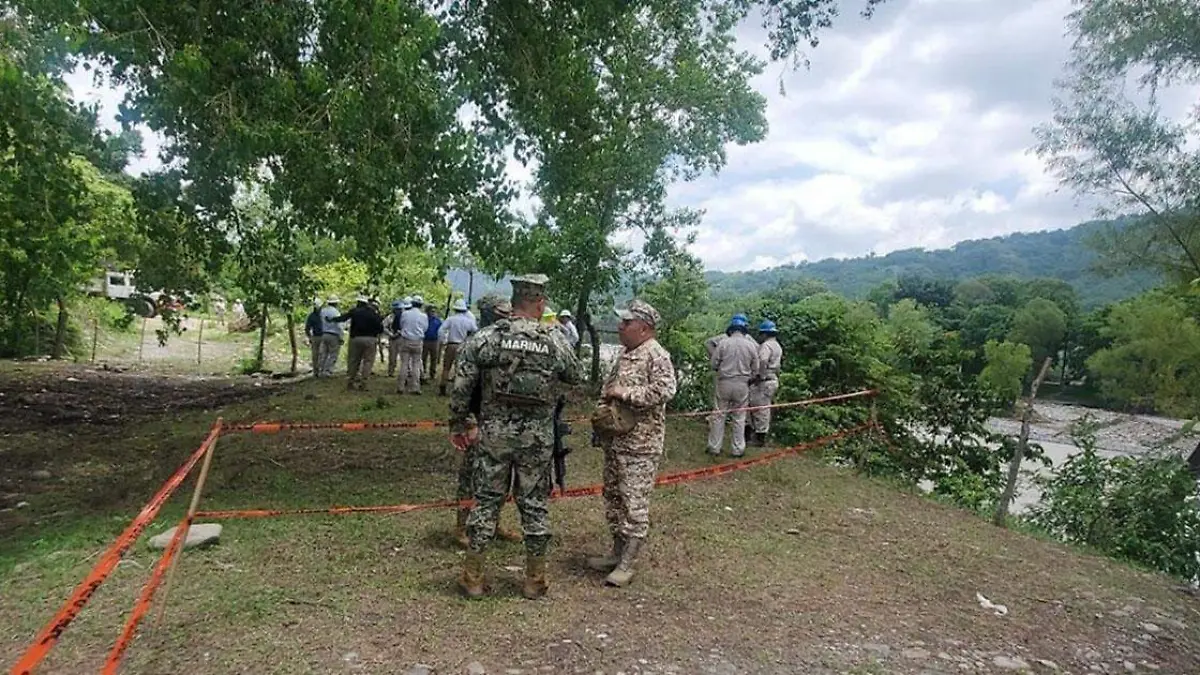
784 568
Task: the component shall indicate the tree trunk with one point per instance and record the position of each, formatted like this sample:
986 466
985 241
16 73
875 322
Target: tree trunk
1014 466
595 338
260 357
60 330
291 326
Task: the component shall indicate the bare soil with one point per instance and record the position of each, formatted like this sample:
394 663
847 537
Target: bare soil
796 567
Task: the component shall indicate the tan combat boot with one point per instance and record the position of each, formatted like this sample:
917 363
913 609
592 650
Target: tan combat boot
535 577
472 582
460 528
623 574
606 563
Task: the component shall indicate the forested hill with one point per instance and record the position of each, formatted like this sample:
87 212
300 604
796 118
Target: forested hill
1059 254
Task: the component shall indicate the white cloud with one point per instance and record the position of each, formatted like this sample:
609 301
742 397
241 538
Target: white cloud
912 129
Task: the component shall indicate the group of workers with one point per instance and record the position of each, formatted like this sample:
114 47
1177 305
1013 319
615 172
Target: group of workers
747 378
411 335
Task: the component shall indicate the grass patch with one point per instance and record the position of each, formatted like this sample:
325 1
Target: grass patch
786 568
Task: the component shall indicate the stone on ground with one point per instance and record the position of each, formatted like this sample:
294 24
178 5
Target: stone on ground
199 534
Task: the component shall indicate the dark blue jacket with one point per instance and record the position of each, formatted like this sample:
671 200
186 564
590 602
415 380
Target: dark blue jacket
431 333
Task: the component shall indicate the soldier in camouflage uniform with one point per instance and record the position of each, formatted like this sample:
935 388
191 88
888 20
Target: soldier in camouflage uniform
521 366
642 381
492 308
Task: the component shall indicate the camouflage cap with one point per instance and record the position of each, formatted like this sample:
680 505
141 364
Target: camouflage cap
529 286
640 310
492 307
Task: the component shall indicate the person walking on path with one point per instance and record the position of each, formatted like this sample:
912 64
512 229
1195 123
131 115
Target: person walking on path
735 361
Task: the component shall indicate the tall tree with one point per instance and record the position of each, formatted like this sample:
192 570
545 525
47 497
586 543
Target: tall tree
60 217
1105 146
613 102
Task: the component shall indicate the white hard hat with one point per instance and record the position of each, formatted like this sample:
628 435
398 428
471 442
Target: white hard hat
333 300
460 305
407 300
565 314
418 300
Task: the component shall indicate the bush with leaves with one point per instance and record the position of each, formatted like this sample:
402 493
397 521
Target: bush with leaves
1140 509
1007 363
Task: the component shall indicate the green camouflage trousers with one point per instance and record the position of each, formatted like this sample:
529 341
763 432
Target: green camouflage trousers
527 469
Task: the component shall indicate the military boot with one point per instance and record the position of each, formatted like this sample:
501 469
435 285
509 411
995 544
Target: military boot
623 574
760 439
535 577
460 528
472 582
606 563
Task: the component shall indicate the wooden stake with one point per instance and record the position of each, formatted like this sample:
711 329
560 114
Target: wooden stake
862 456
200 341
95 337
187 521
1014 465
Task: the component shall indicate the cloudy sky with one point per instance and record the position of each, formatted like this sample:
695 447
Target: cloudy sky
911 129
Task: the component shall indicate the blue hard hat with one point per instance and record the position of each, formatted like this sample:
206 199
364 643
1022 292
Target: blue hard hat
739 322
767 326
740 317
397 304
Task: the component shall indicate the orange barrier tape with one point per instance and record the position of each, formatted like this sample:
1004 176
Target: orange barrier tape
142 606
331 511
48 636
276 427
793 404
582 491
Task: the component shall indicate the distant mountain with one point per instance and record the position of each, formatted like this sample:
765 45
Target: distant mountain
1060 254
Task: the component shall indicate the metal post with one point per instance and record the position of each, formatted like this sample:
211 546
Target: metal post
142 344
187 521
200 341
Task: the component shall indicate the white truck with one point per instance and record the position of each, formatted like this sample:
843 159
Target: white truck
119 286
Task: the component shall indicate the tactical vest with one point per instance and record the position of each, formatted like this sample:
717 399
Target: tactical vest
526 359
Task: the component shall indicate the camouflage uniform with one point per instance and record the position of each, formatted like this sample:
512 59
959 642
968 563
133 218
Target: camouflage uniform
645 378
631 461
518 364
492 308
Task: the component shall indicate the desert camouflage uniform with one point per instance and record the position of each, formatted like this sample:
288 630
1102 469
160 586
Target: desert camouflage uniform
528 359
631 460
